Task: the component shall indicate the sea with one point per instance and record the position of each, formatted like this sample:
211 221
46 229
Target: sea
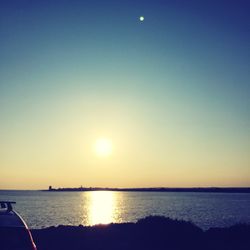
42 209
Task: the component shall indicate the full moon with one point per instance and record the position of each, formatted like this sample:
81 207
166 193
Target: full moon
103 147
141 18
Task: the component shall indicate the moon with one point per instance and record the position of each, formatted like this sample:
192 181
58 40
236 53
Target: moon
141 18
103 147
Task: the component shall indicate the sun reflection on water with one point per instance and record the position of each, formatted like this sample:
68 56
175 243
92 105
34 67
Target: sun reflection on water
101 207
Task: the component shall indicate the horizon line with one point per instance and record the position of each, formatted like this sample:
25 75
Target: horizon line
128 188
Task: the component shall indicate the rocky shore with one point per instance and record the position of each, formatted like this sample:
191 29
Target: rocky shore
150 233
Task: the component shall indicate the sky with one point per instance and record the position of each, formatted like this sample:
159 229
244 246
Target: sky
170 95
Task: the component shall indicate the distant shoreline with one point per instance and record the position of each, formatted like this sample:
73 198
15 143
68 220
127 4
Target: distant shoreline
163 189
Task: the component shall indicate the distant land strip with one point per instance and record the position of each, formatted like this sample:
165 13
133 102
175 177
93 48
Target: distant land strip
161 189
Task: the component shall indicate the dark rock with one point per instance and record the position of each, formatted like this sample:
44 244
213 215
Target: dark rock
150 233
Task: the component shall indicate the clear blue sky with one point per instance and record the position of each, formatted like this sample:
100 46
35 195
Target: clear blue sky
171 93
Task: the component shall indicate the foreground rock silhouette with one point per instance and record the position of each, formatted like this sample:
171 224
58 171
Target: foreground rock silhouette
150 233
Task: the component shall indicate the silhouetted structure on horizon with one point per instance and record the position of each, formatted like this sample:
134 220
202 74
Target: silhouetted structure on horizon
161 189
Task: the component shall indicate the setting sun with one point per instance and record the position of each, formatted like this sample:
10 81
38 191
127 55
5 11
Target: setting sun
103 147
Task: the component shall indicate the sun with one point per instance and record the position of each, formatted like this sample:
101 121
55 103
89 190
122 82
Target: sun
103 147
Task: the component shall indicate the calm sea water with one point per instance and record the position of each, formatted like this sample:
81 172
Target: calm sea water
43 209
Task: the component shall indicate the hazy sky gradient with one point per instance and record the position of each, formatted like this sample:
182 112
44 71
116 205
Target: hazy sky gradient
172 93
